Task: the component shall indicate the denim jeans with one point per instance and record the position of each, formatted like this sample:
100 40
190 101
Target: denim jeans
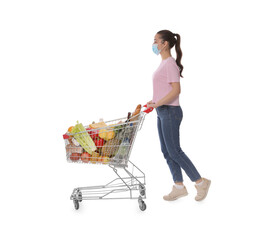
168 121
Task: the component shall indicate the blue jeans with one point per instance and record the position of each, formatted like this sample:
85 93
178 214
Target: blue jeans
168 122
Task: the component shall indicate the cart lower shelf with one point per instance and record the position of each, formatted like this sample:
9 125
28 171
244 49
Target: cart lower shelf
130 187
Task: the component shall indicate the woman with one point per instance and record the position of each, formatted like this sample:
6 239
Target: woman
166 90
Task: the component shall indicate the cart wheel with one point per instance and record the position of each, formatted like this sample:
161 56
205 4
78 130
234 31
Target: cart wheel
142 190
142 205
80 196
76 204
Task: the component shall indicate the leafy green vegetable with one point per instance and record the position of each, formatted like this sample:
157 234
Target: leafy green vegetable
82 136
118 128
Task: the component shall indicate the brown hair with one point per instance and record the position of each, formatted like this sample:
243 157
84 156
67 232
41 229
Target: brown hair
168 36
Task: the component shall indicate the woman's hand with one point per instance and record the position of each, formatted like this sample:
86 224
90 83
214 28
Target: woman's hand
151 104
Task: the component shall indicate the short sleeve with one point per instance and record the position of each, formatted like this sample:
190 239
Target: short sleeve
173 73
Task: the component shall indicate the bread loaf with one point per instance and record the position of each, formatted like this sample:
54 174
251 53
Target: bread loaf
135 114
97 125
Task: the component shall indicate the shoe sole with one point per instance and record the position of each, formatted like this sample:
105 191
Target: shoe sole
206 192
176 197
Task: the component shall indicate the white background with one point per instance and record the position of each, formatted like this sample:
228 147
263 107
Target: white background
63 61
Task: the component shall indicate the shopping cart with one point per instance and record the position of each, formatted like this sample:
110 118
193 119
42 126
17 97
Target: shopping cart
109 143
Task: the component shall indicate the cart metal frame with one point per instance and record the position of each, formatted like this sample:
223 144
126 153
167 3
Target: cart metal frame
131 185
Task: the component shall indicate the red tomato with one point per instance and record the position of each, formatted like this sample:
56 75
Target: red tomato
75 156
85 157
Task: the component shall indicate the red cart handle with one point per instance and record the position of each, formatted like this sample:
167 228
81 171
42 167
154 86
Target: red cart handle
148 110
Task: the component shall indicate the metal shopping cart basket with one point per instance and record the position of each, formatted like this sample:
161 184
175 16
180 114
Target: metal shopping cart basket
108 143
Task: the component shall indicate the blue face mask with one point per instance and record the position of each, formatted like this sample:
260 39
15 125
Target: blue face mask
155 49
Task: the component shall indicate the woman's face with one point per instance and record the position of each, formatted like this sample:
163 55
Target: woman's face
158 40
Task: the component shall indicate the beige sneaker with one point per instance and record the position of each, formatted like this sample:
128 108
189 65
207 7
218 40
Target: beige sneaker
202 190
175 194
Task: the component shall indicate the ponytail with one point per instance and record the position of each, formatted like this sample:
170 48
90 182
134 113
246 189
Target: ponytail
179 53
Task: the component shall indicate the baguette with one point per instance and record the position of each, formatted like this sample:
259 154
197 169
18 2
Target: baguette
135 113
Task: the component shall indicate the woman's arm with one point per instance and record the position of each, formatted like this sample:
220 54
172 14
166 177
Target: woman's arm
176 89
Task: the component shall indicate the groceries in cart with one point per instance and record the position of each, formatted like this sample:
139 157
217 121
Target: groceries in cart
102 142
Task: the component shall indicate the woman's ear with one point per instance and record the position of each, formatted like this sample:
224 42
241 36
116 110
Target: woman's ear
165 43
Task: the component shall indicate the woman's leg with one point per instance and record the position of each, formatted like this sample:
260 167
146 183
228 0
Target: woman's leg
170 128
174 166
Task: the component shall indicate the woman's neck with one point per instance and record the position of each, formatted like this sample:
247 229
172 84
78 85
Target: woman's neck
165 55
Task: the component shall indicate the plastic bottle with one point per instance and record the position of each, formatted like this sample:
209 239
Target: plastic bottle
123 150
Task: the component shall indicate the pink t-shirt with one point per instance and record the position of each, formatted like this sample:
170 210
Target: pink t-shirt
167 72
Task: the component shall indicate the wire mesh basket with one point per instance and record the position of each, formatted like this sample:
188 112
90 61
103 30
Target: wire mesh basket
108 142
